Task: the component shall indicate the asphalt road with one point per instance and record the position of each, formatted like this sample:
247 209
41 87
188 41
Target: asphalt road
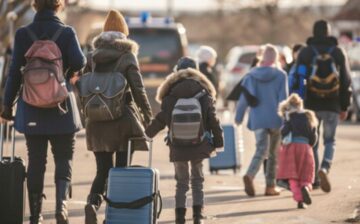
226 202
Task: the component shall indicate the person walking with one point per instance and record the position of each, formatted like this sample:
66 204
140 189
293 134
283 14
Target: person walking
268 84
206 57
43 125
291 72
328 91
113 51
187 83
296 158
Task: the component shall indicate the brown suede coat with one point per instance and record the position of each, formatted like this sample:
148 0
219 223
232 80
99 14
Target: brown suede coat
185 84
110 49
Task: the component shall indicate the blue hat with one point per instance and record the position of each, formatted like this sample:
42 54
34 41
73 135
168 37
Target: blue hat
186 62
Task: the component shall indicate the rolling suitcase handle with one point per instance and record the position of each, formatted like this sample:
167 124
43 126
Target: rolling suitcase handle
2 127
139 139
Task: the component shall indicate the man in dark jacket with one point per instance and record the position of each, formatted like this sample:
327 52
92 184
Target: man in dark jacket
327 109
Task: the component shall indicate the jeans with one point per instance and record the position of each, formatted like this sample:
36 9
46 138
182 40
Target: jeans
62 147
329 120
182 178
104 162
267 144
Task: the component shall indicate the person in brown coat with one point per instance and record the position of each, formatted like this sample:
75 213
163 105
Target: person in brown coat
106 138
186 82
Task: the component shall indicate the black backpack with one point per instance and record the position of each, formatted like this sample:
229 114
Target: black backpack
324 80
102 94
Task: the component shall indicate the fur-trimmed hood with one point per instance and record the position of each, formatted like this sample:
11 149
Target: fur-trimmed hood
285 110
115 40
189 73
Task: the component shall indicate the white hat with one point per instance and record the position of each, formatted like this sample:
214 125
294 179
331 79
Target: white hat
206 54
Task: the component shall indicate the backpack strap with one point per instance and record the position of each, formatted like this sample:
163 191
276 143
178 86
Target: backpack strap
32 34
200 94
57 34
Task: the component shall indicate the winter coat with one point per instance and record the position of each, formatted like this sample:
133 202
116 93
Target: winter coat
112 48
269 86
186 84
304 64
38 121
206 69
301 124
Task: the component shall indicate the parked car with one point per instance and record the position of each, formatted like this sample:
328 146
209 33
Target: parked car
237 63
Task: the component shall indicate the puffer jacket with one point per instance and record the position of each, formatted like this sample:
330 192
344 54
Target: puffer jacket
112 49
186 84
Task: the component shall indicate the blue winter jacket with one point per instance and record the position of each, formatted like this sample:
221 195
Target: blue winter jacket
37 121
269 85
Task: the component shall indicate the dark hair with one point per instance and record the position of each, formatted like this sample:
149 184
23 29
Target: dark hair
321 28
54 5
186 62
297 47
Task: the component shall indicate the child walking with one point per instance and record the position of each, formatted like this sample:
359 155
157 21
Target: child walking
187 109
296 158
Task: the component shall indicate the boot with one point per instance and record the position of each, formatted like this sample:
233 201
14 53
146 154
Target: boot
272 191
62 193
93 204
198 214
324 180
249 185
35 204
180 215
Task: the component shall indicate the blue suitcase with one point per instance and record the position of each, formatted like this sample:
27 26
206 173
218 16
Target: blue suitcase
230 157
133 195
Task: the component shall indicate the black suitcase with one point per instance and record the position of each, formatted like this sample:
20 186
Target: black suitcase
12 184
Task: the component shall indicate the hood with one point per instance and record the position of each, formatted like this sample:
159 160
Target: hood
322 41
109 46
185 74
264 74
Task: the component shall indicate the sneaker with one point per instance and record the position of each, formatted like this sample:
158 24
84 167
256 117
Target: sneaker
306 195
249 186
324 181
301 205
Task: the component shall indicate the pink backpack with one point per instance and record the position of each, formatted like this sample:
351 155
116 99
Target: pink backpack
44 83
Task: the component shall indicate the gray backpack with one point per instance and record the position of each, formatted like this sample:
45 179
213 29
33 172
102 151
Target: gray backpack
187 126
102 94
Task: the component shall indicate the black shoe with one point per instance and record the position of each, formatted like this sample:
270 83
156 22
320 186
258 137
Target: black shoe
324 181
62 194
198 215
306 195
180 215
35 204
93 204
301 205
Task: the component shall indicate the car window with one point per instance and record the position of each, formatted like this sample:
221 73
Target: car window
157 45
247 58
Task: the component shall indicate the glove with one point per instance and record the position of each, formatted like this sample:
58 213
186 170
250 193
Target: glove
7 113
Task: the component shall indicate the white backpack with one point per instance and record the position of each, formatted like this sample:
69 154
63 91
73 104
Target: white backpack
187 126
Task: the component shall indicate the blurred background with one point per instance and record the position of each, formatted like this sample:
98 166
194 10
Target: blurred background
169 29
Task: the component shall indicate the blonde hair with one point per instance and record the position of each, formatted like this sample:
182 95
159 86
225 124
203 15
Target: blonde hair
270 56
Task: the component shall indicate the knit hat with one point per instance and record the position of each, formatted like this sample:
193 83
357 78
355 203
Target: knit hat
116 22
206 54
186 62
321 28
